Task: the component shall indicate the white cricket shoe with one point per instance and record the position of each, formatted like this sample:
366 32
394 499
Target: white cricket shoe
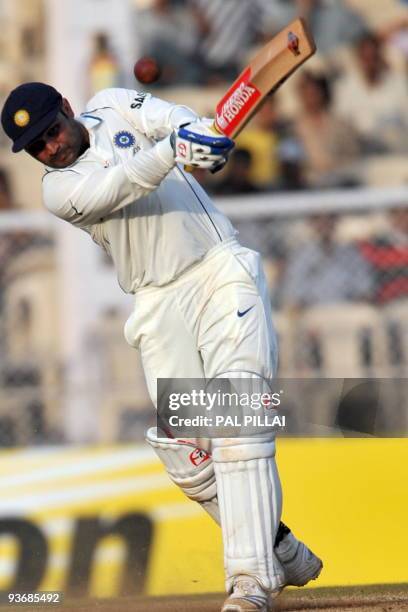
247 596
300 564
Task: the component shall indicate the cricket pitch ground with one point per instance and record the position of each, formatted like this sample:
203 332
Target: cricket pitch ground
382 598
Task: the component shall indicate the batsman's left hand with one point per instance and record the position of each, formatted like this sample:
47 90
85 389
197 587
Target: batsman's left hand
198 145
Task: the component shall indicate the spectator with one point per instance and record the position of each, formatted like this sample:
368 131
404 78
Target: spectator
228 30
277 157
324 271
237 178
333 24
374 97
13 241
394 32
7 247
170 34
291 166
329 142
6 202
104 69
388 256
263 138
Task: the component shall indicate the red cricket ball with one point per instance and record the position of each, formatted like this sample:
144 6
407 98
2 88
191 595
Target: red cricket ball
146 70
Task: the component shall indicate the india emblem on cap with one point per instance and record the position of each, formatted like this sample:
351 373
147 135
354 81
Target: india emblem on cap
21 117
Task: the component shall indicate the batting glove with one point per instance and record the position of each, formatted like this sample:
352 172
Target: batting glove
197 145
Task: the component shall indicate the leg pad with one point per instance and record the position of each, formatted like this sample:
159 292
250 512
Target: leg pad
250 502
189 467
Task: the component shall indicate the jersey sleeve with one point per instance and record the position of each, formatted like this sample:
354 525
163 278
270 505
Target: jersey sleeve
86 198
152 116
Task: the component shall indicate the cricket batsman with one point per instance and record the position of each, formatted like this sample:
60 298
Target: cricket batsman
201 305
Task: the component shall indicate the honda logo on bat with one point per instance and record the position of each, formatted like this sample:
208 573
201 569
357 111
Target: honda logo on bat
293 43
236 104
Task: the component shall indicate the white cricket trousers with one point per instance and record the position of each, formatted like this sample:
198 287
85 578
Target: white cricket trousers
215 318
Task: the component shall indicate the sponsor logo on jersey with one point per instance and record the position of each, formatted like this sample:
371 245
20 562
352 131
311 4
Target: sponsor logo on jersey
22 117
236 103
242 313
124 139
140 98
198 456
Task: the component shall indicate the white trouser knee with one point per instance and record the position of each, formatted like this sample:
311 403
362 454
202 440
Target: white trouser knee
189 467
250 503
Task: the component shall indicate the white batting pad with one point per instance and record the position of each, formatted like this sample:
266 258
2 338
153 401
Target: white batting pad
189 467
250 503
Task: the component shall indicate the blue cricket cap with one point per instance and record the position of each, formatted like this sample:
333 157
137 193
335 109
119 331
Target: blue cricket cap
28 111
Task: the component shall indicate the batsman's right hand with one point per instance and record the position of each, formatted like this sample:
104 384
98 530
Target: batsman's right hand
197 145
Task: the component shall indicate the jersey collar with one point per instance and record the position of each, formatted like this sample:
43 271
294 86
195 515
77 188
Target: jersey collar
89 120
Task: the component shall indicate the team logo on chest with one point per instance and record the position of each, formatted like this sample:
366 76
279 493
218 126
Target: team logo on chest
124 139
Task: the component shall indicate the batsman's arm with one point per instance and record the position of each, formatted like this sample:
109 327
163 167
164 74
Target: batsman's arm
156 119
83 199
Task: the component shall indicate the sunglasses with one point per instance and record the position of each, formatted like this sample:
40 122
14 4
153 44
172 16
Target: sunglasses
35 147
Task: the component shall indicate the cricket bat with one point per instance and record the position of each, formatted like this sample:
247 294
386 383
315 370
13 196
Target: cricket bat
265 73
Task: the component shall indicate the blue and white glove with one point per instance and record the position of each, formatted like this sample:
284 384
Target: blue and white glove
198 145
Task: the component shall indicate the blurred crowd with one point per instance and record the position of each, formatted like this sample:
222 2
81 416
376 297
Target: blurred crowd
347 105
343 113
344 110
319 261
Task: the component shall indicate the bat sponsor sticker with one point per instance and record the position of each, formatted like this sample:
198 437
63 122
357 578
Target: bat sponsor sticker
236 103
293 43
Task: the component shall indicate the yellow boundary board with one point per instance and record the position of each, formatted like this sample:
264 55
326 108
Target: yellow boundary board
347 498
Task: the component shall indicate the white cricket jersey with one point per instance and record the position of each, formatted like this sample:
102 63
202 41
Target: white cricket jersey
127 192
